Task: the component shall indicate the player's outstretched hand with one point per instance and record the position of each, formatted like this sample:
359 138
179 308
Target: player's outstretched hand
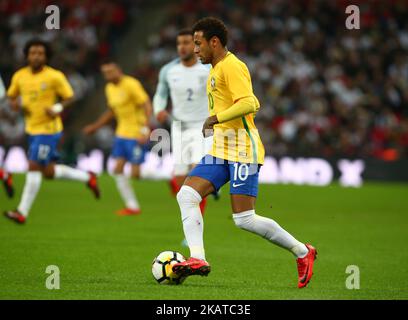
14 105
88 130
208 126
145 138
162 116
51 113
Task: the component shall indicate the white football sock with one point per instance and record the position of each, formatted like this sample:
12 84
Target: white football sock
64 172
31 188
126 191
193 224
270 230
153 174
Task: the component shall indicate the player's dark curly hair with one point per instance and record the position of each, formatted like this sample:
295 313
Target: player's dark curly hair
185 32
107 60
212 27
38 42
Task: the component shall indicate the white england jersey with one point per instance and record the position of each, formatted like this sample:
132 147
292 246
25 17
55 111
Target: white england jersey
186 86
187 89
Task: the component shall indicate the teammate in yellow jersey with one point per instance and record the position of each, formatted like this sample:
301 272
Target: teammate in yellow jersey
236 156
130 105
44 93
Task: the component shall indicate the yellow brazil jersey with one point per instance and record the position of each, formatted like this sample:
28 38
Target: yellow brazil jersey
237 139
126 100
39 91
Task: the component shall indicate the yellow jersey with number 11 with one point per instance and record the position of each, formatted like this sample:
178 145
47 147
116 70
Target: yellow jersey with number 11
237 139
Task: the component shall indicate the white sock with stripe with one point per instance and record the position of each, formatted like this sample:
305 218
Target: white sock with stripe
65 172
193 224
148 174
31 187
126 192
270 230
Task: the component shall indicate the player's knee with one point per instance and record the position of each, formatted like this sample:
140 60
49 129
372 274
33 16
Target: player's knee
136 175
34 166
187 196
48 173
118 171
119 167
135 171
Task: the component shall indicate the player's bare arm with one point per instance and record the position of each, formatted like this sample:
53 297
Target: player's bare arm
147 106
145 131
208 125
103 120
162 116
14 105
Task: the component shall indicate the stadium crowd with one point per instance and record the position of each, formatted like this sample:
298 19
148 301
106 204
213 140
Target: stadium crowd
324 90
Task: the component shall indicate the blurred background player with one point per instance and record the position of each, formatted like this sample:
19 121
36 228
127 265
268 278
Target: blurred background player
2 89
39 87
7 179
5 176
232 106
130 105
184 80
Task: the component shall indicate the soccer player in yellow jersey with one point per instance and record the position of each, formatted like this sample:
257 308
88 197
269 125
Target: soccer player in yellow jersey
129 103
39 87
236 156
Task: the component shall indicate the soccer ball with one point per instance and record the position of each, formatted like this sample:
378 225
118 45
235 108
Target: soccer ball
162 267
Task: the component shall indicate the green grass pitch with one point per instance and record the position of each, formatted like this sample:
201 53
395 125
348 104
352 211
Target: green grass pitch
104 256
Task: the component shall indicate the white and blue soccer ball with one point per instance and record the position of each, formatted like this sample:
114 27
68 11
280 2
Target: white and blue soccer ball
162 267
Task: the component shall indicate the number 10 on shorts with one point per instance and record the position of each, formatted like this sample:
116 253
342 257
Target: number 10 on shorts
241 171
